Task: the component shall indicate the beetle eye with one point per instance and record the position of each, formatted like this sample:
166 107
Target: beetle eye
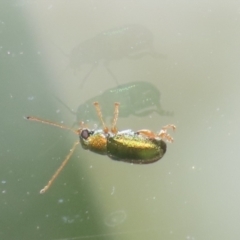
85 134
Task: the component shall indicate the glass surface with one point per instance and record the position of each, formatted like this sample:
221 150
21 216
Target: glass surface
165 62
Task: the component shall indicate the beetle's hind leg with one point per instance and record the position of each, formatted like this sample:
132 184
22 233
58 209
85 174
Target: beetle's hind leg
169 126
146 133
163 133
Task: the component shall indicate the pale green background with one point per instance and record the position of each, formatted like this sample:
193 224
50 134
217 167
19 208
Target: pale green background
192 193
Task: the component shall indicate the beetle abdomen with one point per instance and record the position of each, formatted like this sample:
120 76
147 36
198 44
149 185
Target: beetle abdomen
135 148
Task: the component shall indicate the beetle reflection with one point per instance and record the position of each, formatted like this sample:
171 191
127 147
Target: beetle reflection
137 98
130 41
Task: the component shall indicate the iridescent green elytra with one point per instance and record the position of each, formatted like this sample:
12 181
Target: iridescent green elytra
132 147
140 147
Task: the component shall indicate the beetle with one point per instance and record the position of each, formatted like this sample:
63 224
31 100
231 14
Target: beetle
138 147
137 98
131 41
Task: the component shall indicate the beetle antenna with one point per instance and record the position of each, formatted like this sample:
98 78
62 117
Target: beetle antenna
50 123
59 169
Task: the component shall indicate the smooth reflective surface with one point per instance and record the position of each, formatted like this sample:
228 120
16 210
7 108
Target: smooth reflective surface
192 193
139 99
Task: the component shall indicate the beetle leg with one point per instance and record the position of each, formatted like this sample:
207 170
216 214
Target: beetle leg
165 136
115 117
169 126
99 113
110 72
59 169
87 75
146 133
163 133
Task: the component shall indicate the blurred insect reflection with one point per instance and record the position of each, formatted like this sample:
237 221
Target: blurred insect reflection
130 41
137 98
